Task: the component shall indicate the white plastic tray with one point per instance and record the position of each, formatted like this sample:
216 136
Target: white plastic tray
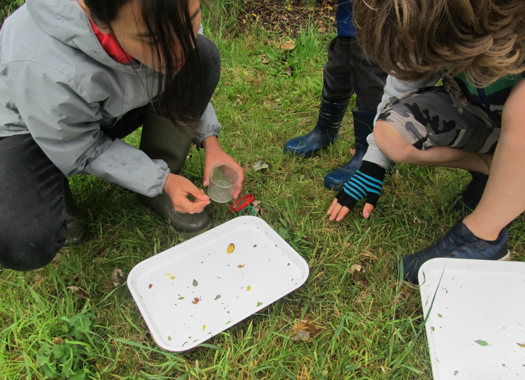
476 318
196 289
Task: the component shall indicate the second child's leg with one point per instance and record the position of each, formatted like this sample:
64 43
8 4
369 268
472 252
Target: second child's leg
335 97
504 196
368 81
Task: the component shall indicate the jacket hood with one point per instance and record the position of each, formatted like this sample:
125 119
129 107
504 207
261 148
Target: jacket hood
67 22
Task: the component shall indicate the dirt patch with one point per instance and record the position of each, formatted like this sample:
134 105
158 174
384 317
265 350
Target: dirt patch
289 17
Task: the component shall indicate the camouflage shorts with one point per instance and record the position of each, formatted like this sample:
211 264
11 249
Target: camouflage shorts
432 117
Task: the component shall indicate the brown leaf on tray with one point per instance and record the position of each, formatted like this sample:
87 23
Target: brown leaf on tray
304 330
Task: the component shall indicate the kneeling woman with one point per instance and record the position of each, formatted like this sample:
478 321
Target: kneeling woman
75 78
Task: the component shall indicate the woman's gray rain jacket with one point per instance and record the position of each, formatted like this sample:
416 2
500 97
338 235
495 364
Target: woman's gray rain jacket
57 83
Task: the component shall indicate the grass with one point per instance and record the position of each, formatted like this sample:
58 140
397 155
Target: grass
75 318
8 6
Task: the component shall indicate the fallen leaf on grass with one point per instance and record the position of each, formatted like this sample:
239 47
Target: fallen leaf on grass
116 275
260 165
355 268
78 290
256 204
288 45
37 280
357 274
304 330
57 340
411 285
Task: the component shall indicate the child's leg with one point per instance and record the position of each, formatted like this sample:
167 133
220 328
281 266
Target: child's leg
335 97
431 127
33 217
504 197
367 80
398 149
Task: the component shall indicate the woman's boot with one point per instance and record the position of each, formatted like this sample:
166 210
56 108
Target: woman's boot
162 139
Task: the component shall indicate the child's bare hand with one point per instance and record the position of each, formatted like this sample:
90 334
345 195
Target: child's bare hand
180 190
336 211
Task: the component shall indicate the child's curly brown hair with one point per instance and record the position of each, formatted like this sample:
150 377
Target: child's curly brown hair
484 39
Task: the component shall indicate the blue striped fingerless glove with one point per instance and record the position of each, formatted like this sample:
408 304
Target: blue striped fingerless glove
367 183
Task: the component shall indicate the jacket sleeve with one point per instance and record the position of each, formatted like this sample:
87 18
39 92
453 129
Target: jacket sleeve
67 128
208 126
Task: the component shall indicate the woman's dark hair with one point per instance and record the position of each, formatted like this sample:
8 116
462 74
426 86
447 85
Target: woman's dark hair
170 26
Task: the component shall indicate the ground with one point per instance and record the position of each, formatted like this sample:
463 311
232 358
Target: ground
289 16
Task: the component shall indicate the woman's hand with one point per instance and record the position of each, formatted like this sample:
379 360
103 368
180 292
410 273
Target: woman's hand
214 154
180 190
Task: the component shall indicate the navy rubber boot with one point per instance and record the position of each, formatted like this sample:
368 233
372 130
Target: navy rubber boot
459 242
363 126
325 132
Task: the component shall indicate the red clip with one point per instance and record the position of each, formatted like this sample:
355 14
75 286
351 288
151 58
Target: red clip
242 203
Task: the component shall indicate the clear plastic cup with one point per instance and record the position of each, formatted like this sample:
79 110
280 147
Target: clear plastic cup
223 181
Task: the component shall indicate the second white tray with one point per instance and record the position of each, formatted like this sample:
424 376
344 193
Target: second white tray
476 318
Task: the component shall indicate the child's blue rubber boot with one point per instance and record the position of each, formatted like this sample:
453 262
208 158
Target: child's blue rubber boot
363 126
325 132
459 243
